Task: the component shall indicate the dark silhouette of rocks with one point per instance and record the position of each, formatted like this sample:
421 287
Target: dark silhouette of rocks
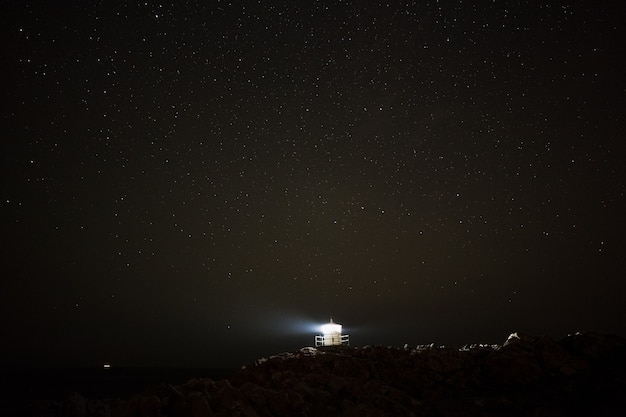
583 374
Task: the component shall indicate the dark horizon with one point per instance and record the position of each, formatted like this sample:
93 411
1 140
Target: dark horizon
203 184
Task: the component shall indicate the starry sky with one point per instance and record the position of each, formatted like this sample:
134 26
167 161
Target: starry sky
190 183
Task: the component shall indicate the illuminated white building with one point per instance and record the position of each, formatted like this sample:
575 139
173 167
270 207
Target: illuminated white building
331 335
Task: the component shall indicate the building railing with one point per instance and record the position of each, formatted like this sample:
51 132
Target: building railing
332 340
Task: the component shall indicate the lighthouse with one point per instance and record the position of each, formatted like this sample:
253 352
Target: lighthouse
331 335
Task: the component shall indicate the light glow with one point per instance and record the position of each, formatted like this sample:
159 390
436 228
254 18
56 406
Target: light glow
331 335
330 328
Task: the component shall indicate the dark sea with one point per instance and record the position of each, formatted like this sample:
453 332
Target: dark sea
23 386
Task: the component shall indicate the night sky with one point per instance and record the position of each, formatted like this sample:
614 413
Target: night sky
193 183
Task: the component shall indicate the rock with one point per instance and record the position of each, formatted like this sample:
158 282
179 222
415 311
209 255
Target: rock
77 405
583 374
592 345
227 397
149 406
200 405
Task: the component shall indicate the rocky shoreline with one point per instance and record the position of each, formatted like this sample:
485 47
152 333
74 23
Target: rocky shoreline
582 374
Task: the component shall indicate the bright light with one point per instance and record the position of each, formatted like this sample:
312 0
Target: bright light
331 335
330 328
